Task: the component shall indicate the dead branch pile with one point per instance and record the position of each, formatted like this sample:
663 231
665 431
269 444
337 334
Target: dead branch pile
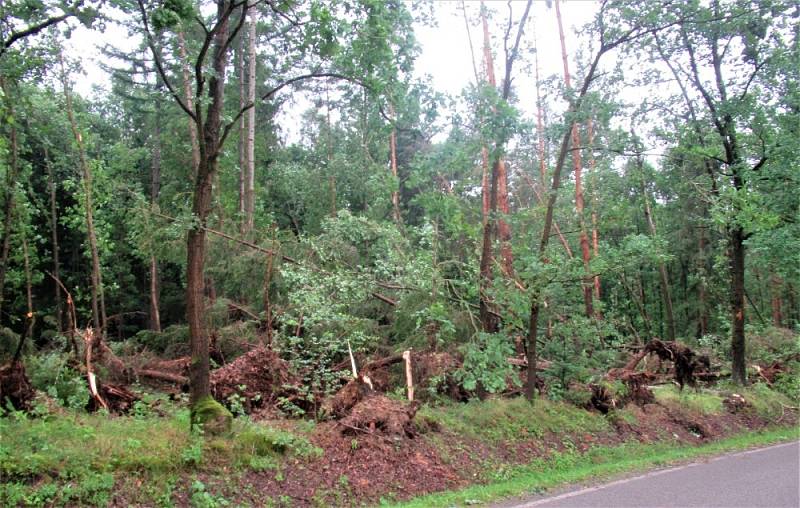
771 372
380 414
15 388
257 379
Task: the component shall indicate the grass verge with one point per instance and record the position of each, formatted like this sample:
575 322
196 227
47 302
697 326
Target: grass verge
597 463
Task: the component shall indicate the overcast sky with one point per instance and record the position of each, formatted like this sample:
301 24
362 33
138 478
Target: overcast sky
445 54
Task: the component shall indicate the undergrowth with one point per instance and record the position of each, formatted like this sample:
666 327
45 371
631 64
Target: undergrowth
75 458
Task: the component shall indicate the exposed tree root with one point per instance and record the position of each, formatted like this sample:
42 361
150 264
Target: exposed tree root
380 414
15 388
257 379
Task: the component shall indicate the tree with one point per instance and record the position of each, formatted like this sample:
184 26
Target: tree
608 39
498 189
728 95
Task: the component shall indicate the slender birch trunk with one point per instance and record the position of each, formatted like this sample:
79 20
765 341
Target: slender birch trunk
250 175
99 318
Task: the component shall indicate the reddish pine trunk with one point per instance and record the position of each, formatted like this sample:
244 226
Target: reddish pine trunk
499 188
593 170
576 162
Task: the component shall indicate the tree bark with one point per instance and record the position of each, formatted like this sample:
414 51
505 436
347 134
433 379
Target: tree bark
498 189
498 202
595 235
242 132
199 369
702 321
30 318
398 219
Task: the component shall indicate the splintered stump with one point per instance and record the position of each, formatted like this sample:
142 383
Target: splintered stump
117 398
344 400
15 388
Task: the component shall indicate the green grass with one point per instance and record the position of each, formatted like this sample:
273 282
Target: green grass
600 462
703 402
77 458
496 420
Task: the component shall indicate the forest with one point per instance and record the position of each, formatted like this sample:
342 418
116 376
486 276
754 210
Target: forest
270 212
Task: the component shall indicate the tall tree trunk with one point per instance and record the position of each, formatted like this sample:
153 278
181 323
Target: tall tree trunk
738 371
498 202
595 236
98 300
199 383
702 321
155 189
485 185
398 219
666 297
11 183
499 180
329 147
51 186
188 98
242 131
776 291
30 318
576 163
250 176
539 119
487 315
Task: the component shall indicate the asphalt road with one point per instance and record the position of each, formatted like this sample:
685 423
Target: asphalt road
767 477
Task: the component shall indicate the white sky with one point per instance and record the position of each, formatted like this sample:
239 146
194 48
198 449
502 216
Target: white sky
445 54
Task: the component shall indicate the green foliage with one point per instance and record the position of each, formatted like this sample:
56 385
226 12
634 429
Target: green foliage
788 383
171 13
486 363
52 374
